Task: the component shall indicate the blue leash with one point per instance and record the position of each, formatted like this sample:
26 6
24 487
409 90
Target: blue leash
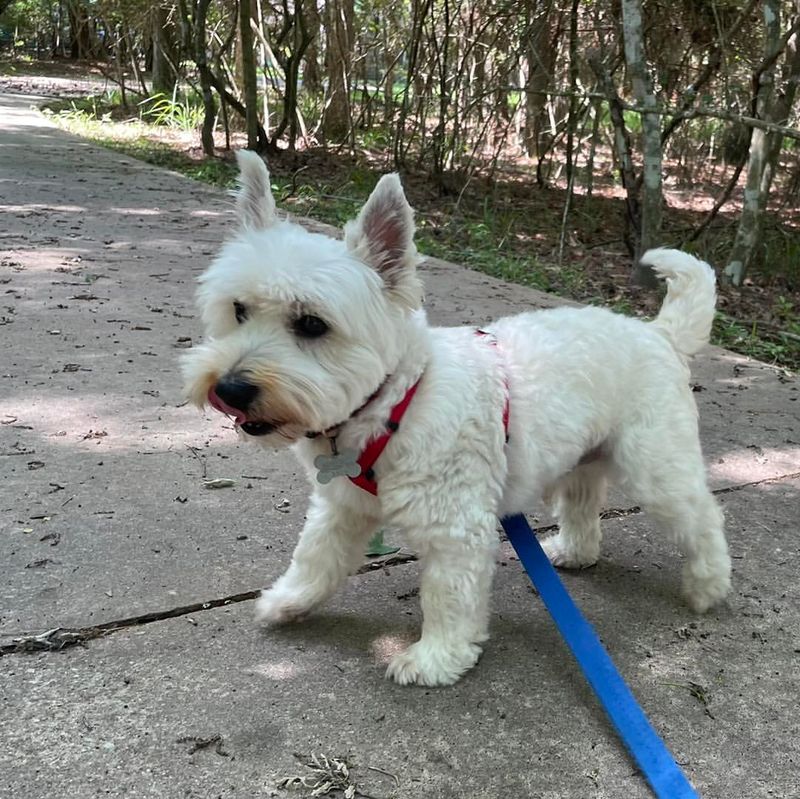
647 749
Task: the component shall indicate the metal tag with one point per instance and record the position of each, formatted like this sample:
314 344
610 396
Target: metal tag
342 463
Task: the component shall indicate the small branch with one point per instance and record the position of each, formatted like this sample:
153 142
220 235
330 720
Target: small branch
667 111
713 64
721 200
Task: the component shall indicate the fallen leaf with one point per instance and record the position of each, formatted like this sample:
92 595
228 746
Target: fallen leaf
376 547
219 482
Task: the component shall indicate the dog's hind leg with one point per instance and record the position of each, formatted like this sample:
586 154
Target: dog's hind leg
576 500
330 548
696 522
663 471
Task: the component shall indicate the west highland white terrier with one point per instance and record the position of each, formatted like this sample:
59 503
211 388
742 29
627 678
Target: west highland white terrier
323 344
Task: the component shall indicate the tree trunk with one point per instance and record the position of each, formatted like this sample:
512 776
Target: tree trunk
420 10
201 59
291 45
542 47
748 234
622 150
81 34
336 119
263 57
652 200
389 61
784 102
249 78
164 76
572 121
301 39
312 79
439 138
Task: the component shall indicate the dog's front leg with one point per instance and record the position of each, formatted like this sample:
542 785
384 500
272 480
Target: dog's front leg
330 548
454 595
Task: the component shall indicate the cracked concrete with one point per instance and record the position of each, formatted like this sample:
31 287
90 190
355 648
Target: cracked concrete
105 518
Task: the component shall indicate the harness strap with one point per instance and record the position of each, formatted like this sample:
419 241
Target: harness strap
492 340
374 449
376 446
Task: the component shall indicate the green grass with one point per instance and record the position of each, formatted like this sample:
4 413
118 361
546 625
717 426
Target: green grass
182 112
759 341
474 246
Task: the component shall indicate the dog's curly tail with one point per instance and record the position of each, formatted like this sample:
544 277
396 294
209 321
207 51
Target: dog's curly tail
688 310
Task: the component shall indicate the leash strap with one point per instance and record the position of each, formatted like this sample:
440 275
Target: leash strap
647 749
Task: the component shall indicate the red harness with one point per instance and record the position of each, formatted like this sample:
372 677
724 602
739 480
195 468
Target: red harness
506 409
375 446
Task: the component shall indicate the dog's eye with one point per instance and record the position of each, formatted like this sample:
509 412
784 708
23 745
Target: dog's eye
240 311
309 326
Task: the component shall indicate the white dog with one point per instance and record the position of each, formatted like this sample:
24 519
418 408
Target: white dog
323 344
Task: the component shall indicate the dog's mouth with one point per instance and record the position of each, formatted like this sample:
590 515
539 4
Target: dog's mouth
253 427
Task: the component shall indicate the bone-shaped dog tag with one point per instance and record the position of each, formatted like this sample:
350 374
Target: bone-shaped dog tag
338 464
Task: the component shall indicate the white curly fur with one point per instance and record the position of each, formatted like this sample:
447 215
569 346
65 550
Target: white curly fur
580 381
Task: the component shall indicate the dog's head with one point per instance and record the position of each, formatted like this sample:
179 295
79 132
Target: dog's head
301 328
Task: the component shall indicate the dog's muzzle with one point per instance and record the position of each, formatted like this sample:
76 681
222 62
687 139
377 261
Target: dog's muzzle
233 395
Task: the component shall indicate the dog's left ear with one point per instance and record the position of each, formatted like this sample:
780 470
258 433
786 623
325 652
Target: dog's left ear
255 205
382 235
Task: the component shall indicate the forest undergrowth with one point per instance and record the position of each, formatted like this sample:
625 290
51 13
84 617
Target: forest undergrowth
507 226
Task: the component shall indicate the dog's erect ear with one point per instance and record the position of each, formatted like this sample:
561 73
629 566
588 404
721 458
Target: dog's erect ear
255 205
382 235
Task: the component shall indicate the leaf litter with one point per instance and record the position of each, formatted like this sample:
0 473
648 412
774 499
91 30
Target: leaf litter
328 775
199 743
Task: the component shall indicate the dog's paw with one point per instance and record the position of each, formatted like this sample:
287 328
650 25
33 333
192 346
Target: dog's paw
567 555
279 606
703 592
424 664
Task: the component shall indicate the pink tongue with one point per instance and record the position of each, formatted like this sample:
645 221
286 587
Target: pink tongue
223 407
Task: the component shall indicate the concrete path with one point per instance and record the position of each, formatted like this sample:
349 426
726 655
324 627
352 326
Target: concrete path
106 525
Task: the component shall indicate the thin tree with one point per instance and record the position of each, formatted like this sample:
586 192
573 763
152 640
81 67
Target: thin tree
249 78
164 69
652 198
336 117
764 146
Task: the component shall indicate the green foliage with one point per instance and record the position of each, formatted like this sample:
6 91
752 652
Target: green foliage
482 235
174 112
782 256
81 116
93 107
482 245
180 112
633 122
27 16
758 340
378 547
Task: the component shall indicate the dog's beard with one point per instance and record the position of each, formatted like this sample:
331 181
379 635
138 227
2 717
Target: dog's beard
285 405
293 400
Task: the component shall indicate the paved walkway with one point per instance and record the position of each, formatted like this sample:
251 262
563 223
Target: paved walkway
106 523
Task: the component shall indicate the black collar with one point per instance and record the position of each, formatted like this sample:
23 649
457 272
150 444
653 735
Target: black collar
332 431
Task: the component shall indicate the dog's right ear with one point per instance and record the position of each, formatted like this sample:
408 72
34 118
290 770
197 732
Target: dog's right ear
255 205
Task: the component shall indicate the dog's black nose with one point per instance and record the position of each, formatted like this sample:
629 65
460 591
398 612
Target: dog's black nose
235 391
